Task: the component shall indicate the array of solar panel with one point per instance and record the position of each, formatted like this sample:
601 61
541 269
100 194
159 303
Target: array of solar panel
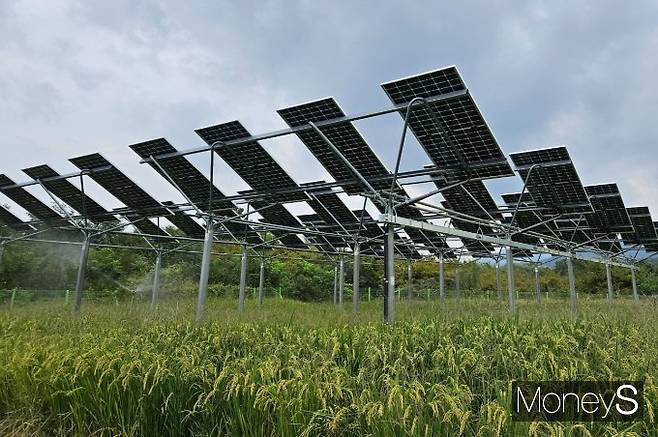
344 136
459 198
12 221
645 232
453 132
188 178
28 202
331 208
183 221
250 160
69 193
555 184
145 225
609 211
119 185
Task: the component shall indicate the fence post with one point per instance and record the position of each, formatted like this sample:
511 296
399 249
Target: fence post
13 298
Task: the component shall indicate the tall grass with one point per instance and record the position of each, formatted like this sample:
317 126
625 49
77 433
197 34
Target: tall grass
291 368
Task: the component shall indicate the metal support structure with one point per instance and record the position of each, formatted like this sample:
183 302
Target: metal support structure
205 271
499 292
356 289
634 284
82 270
458 291
336 284
389 275
2 252
537 285
572 286
156 280
341 281
410 290
243 278
442 279
261 281
511 285
608 276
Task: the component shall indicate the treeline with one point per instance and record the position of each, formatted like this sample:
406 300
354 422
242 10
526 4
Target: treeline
43 266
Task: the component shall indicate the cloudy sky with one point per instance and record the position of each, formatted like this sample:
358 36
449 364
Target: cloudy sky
78 77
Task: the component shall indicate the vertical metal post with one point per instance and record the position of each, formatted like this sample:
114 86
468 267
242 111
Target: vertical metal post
13 298
335 284
205 271
356 298
261 281
537 285
634 283
82 270
243 278
341 281
410 290
2 252
499 292
457 287
389 275
572 285
156 281
442 279
511 285
608 274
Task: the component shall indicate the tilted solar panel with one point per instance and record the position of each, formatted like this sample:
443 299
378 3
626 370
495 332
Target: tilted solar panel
28 202
331 208
145 226
183 221
250 160
461 201
453 132
119 185
554 183
69 193
344 136
279 215
643 225
12 221
189 179
609 211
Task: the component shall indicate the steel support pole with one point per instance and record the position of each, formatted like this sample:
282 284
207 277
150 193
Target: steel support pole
634 284
243 278
205 272
499 293
537 285
410 290
457 287
572 285
261 282
156 281
2 252
389 272
356 298
608 276
341 281
335 284
511 285
82 270
442 279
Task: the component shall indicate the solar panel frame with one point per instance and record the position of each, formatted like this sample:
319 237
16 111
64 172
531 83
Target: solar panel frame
642 225
462 202
28 202
9 219
609 210
453 132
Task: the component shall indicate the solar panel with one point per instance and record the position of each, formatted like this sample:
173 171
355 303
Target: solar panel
145 226
69 193
331 208
250 160
453 132
188 178
643 225
12 221
555 184
279 215
119 185
609 211
28 202
344 136
458 198
315 222
183 221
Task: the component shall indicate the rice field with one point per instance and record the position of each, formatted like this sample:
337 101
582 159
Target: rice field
296 369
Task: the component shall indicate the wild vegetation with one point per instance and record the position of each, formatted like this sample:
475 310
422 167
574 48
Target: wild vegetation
293 368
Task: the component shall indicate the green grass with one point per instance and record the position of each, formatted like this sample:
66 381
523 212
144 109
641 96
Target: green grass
291 368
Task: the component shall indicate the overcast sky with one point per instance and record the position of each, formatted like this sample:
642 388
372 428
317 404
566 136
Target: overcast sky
78 77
